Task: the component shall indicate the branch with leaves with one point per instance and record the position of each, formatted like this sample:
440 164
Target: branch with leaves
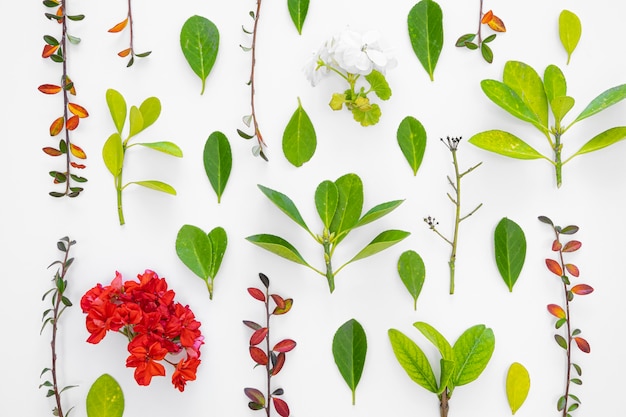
130 51
56 50
467 40
51 318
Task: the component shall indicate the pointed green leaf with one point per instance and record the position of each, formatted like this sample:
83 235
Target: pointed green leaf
412 273
217 157
525 81
199 41
379 84
136 121
378 211
219 242
486 52
349 206
381 242
505 97
278 246
413 360
570 30
298 10
150 110
504 143
437 339
606 99
411 137
285 204
517 386
113 154
165 147
472 352
349 350
602 140
194 248
105 398
299 138
447 372
561 106
326 199
156 185
510 250
425 22
117 108
554 83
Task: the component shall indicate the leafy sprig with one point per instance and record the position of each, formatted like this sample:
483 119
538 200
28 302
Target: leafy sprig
56 50
130 51
474 41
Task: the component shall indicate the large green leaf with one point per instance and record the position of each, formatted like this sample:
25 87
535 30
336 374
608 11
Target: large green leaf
113 154
218 161
602 140
554 83
505 97
472 352
510 250
194 248
298 10
411 137
199 41
504 143
299 138
150 110
349 206
425 24
570 30
219 242
413 360
525 81
285 204
117 108
381 242
278 246
326 199
378 211
105 398
517 386
606 99
169 148
412 273
349 350
157 186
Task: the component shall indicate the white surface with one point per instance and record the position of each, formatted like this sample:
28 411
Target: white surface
368 290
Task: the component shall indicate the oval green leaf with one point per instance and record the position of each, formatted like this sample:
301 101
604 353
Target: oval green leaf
298 10
194 248
412 273
411 137
285 204
510 250
602 140
561 106
504 143
517 386
199 41
505 97
349 351
219 242
156 185
218 161
169 148
105 398
570 30
299 138
425 23
117 108
113 154
136 121
349 205
525 81
472 352
278 246
326 199
554 83
486 52
150 110
606 99
381 242
413 360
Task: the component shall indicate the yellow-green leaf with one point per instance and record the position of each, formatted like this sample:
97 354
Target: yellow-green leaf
517 386
105 398
570 30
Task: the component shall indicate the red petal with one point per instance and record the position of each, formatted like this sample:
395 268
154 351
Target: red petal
571 246
582 289
572 269
284 345
554 267
557 311
582 344
281 407
257 294
258 336
258 355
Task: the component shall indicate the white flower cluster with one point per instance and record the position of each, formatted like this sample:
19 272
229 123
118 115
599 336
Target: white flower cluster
349 52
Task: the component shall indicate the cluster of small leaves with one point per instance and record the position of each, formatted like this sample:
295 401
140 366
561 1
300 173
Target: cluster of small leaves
349 351
452 145
250 120
56 50
272 359
130 51
200 41
363 110
51 318
570 30
510 250
202 252
475 41
526 96
339 205
459 365
105 398
425 24
567 402
114 150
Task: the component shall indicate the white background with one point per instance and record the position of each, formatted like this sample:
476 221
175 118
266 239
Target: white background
368 290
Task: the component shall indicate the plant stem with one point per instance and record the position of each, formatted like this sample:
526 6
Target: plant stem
330 277
64 78
443 403
457 219
118 190
130 30
267 346
558 146
480 18
257 131
569 333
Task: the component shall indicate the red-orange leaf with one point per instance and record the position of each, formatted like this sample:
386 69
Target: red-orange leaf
49 50
554 267
72 123
571 246
57 126
487 17
288 303
280 361
284 345
79 111
258 355
258 336
557 311
119 27
280 302
256 293
77 152
124 53
78 166
582 289
582 344
496 24
281 407
52 151
60 14
572 269
49 88
556 245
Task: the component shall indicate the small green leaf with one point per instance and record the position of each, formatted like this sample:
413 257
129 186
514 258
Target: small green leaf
561 106
510 250
169 148
150 110
349 205
217 158
379 84
105 398
157 186
554 83
472 352
349 351
278 246
412 140
285 204
504 143
199 41
326 199
298 10
377 212
606 99
413 360
489 38
560 340
464 38
412 273
570 31
299 138
425 23
219 242
136 121
117 108
367 114
113 154
194 248
486 52
437 339
517 386
602 140
381 242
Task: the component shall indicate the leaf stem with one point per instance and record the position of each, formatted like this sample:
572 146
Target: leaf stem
257 131
330 277
558 146
267 347
480 18
444 406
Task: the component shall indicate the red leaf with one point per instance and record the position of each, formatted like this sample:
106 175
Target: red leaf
280 303
582 289
57 126
257 294
572 269
258 336
72 122
582 344
571 246
288 303
49 50
284 345
79 111
281 407
280 361
52 151
255 395
49 88
557 311
556 245
554 267
78 166
258 355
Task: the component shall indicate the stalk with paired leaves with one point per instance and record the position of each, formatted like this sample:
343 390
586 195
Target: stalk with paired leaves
473 41
51 318
452 144
526 96
568 402
130 51
339 205
272 359
56 50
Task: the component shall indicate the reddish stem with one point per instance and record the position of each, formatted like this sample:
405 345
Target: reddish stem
257 131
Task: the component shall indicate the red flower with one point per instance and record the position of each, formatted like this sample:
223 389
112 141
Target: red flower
143 357
185 371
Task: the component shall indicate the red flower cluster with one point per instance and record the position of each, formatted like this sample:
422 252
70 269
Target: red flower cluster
155 325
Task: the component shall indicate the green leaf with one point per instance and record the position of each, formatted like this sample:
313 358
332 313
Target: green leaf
366 114
505 97
113 154
169 148
445 379
554 83
150 110
504 143
105 398
219 242
117 108
349 205
413 360
349 350
436 339
195 249
606 99
510 250
570 31
412 273
464 38
299 138
412 140
156 185
379 84
425 22
326 199
517 386
218 161
285 204
472 352
602 140
278 246
381 242
561 106
199 41
378 211
486 52
525 81
136 121
298 10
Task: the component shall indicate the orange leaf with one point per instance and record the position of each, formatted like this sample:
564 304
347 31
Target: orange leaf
77 152
49 88
52 151
497 24
554 267
572 269
487 17
582 344
556 245
557 311
256 293
119 27
258 336
60 14
79 111
72 123
572 246
78 166
57 126
582 289
49 50
124 53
